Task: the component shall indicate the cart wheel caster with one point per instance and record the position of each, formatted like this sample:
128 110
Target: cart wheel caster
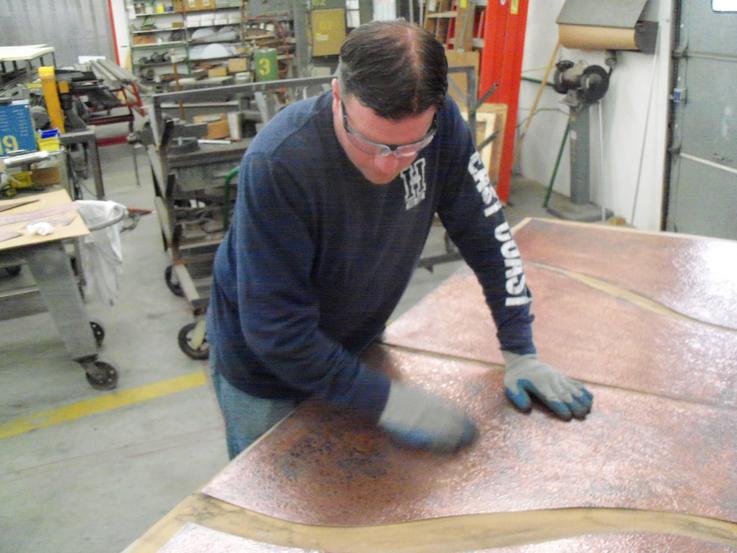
13 270
98 331
101 375
175 288
190 344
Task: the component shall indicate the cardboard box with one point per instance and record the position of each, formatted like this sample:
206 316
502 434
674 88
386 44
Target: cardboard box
206 4
46 176
139 40
217 125
218 129
237 65
218 71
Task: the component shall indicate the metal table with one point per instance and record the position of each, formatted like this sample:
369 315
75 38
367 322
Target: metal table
56 282
89 139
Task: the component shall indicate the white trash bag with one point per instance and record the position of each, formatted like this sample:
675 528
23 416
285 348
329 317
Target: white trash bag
101 251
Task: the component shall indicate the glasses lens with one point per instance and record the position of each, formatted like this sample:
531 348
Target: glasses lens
382 150
367 147
410 150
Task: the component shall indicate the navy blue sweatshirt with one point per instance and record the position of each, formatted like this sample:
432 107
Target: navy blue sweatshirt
317 257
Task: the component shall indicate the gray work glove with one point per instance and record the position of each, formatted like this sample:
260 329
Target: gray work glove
420 420
526 374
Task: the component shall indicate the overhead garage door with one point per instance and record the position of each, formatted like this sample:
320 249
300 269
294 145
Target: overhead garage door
702 195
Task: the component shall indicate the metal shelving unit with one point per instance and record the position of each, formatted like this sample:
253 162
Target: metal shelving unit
183 64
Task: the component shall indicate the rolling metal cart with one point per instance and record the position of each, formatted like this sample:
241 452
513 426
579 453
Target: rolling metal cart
194 178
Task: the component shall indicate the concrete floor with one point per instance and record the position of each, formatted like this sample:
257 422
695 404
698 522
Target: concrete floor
87 471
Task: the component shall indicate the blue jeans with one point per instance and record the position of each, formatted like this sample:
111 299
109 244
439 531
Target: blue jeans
247 417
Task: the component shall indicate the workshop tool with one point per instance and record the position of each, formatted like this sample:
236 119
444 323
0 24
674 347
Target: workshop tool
582 85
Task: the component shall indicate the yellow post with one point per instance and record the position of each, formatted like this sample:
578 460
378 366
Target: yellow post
51 97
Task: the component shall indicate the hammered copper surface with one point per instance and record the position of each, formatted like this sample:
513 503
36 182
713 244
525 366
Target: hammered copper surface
194 538
694 276
635 451
585 333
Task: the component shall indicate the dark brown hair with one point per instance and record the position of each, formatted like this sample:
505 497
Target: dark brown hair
394 67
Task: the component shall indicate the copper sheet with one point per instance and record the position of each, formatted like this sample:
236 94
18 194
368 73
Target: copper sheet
635 451
691 275
585 333
194 538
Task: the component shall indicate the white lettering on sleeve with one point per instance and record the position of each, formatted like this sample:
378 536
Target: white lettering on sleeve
515 284
483 184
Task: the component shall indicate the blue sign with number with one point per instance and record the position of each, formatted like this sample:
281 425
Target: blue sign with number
16 128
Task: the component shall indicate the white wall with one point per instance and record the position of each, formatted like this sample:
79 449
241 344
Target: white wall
625 111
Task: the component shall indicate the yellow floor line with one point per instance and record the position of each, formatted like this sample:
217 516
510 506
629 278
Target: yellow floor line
101 404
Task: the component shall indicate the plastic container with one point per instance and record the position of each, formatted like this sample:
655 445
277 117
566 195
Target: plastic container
49 141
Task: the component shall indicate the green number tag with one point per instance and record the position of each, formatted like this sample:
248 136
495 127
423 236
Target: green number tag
264 67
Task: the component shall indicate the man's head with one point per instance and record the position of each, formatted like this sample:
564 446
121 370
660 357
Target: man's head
393 67
392 80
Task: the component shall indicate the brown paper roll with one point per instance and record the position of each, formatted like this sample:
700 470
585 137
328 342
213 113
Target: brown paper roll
597 38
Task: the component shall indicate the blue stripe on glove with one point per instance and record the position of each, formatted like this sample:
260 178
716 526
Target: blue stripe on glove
525 375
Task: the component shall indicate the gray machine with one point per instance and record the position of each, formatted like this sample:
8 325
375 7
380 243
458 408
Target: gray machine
609 25
583 85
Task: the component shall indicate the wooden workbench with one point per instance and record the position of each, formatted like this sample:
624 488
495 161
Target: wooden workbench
39 203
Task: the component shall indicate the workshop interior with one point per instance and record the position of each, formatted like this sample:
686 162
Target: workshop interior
608 130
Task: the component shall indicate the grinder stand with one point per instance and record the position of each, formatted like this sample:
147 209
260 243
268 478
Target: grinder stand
583 86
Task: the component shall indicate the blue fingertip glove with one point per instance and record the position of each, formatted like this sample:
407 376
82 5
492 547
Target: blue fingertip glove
526 374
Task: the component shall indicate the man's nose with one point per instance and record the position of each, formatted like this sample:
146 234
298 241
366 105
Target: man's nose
387 164
392 163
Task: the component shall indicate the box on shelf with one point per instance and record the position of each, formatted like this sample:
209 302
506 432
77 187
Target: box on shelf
49 140
46 176
140 40
237 65
217 125
218 71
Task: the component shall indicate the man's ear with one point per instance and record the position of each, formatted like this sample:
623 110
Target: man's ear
335 86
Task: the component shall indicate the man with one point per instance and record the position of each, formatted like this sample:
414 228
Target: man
336 196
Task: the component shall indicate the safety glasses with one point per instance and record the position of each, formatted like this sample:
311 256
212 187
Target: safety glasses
377 149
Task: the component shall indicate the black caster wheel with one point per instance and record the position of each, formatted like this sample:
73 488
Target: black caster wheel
98 331
13 270
102 376
186 343
175 288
